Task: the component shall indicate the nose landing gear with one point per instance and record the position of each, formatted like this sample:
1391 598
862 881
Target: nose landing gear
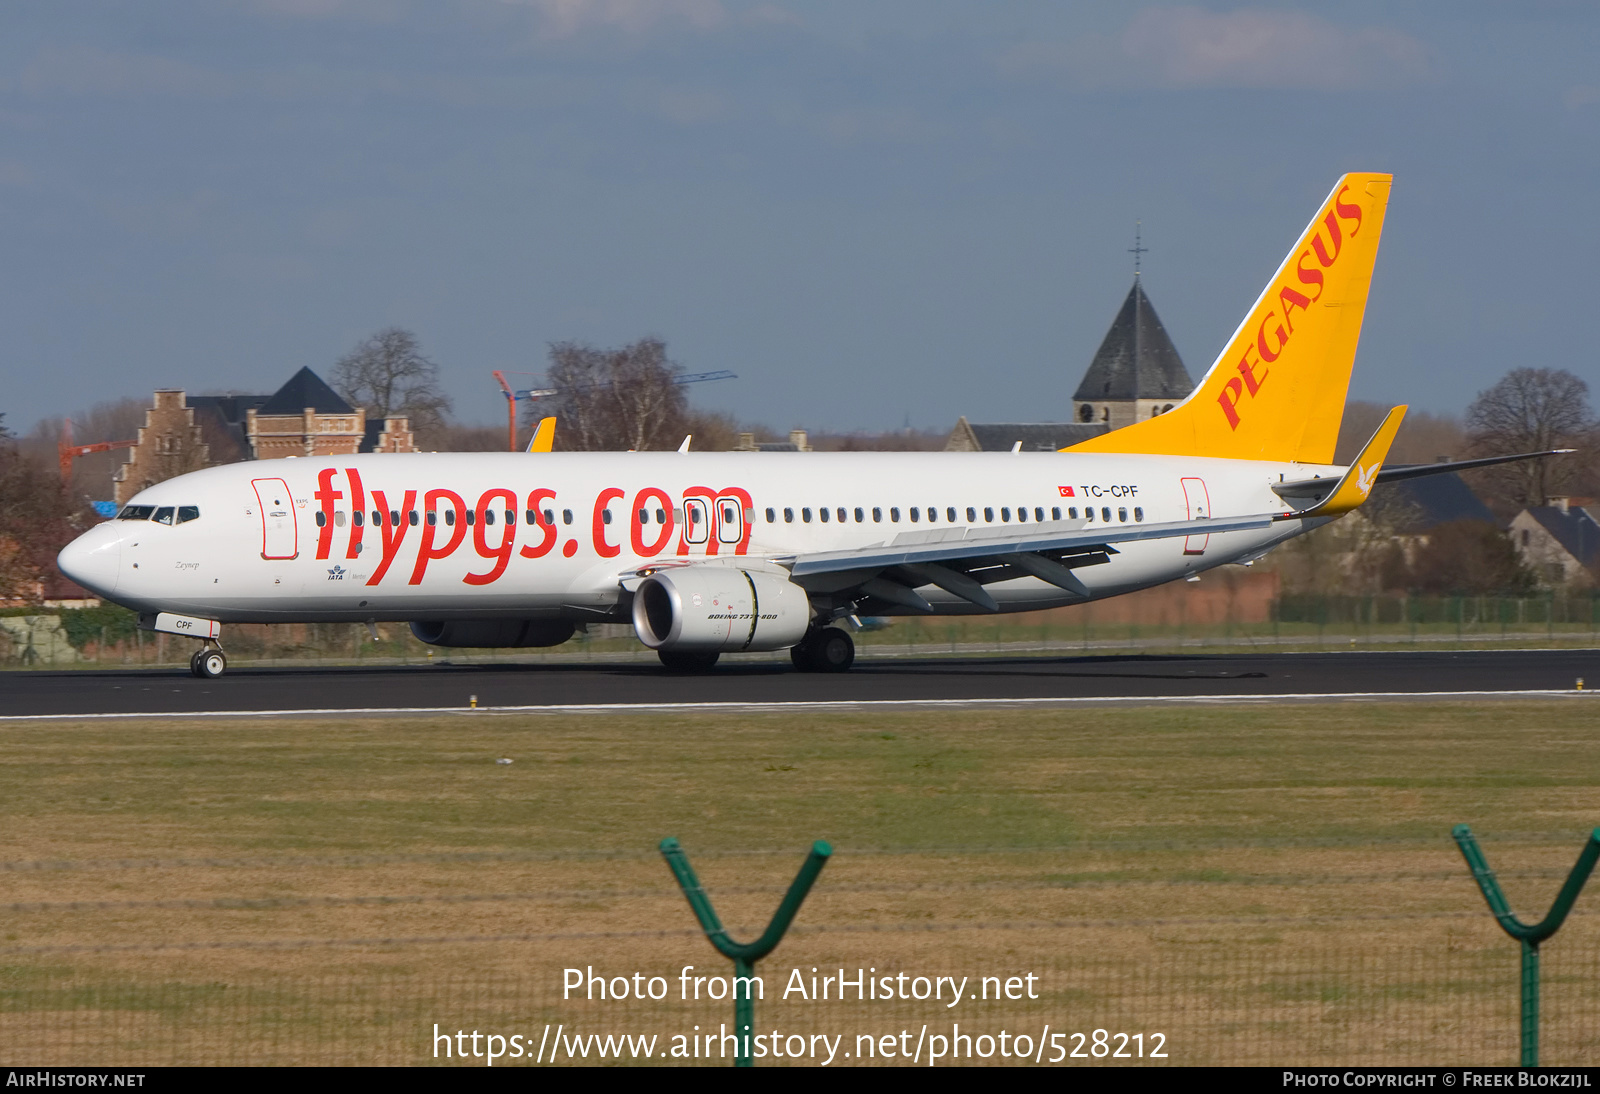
208 662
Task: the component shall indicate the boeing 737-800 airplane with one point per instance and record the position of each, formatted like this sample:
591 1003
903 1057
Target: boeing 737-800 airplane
717 552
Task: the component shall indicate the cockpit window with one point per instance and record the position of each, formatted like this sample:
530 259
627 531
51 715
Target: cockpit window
188 513
136 512
163 515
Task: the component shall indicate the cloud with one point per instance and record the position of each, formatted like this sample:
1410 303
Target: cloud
1186 47
564 18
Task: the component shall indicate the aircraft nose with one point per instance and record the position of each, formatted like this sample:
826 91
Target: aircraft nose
93 560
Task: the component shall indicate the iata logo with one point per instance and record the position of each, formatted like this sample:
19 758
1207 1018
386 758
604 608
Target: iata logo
1276 327
337 573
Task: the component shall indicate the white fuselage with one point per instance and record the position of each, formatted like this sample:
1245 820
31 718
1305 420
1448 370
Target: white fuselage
280 540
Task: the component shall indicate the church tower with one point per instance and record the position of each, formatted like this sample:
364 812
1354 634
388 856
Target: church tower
1136 373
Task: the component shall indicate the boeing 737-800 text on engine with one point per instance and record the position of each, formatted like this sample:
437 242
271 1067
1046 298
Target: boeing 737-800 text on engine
709 553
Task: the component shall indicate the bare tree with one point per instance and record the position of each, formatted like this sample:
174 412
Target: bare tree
389 375
613 400
1530 410
1423 438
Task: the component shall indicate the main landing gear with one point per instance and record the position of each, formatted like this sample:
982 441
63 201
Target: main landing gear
828 649
208 662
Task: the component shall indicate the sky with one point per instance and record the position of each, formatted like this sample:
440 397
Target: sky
874 213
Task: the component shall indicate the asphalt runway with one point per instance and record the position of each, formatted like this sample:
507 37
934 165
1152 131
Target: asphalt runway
1028 679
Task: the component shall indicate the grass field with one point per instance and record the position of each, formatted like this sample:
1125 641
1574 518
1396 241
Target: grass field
1263 885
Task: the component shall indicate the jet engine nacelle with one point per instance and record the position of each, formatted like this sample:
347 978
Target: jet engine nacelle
493 633
719 608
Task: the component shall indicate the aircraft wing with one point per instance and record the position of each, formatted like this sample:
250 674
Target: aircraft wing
962 560
959 544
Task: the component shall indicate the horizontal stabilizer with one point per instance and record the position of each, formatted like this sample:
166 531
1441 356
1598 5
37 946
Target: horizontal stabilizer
1418 470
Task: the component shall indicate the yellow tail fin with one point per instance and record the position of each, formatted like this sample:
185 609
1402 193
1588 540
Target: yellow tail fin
1278 390
544 437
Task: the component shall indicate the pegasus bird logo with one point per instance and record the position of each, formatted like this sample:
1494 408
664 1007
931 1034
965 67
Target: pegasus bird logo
1365 478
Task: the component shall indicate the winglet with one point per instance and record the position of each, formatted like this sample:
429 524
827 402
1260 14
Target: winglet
544 438
1362 476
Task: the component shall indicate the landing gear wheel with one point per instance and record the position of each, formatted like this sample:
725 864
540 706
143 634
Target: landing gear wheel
827 650
687 662
194 662
209 664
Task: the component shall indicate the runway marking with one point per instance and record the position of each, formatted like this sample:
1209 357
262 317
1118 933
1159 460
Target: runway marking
819 705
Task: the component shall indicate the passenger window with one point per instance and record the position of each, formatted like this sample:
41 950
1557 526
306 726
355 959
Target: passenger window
433 517
1072 512
412 518
1138 513
894 514
731 528
550 518
972 515
164 515
933 514
1005 512
644 516
394 517
915 514
772 516
950 515
699 529
187 513
1022 512
358 515
861 514
1122 515
450 517
532 515
877 515
472 516
1105 512
788 515
566 516
661 516
805 515
511 516
823 513
488 517
1088 514
605 516
322 518
988 514
1055 513
1038 512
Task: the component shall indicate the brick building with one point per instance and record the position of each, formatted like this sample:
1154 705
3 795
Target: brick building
170 443
304 417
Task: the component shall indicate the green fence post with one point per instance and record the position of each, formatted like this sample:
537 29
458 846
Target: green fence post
744 955
1529 937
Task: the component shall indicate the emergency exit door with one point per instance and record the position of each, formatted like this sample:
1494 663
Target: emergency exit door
280 537
1198 499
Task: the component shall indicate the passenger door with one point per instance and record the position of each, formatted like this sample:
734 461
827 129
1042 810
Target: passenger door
280 536
1198 500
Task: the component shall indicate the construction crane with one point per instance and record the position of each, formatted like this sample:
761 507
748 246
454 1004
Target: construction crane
535 394
67 451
